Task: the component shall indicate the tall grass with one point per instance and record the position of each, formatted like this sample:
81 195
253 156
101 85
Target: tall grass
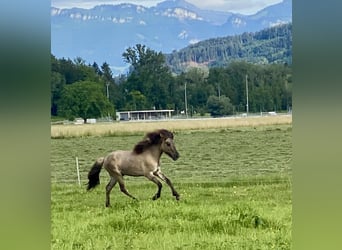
234 182
129 128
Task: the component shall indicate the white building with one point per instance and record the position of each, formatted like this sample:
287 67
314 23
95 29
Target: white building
144 115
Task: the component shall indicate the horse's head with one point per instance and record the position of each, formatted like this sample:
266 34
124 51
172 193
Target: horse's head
168 145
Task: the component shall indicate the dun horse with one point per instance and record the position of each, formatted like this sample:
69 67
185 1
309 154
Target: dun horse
144 160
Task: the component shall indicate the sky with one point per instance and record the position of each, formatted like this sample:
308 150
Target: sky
246 7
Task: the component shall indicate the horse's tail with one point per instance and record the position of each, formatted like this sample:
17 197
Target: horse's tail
94 173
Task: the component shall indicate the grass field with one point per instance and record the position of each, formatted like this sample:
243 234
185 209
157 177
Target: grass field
234 182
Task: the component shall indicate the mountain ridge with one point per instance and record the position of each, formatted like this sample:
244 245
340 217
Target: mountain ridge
103 33
270 45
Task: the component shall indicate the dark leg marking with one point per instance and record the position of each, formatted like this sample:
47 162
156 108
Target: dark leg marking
123 188
158 183
168 182
109 188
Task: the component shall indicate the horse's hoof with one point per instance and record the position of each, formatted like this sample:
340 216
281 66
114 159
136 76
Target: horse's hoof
177 198
155 198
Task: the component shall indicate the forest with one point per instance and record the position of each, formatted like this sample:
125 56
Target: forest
271 45
86 90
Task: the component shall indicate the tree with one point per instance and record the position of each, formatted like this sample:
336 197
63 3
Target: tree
97 69
137 101
84 99
110 88
107 73
219 106
149 75
57 85
197 87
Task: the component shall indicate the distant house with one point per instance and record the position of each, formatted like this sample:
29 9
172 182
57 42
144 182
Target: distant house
91 120
144 115
79 121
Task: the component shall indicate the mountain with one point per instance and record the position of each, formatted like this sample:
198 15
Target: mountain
270 45
103 33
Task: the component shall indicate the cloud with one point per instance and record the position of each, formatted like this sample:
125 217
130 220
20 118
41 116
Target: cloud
237 6
87 4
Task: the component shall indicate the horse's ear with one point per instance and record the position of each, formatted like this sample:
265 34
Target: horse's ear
162 135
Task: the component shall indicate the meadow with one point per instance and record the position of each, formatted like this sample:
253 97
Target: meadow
234 181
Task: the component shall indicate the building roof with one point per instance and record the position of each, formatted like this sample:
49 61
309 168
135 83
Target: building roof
147 111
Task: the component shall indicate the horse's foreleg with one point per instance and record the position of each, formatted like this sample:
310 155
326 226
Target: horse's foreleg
168 182
109 188
151 177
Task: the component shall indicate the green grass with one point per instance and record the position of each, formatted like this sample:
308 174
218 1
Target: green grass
215 216
235 187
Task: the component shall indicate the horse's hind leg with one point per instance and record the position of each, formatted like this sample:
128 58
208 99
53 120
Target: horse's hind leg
123 188
109 188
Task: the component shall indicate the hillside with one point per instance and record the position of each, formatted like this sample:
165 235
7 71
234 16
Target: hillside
102 34
271 45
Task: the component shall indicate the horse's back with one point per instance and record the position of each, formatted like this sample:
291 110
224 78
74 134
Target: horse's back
124 163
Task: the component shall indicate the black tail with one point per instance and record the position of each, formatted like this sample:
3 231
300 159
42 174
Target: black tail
94 174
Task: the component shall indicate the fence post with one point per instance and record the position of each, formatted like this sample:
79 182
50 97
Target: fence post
78 172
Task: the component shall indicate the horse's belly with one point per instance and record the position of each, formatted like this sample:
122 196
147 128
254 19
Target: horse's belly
137 168
131 171
132 167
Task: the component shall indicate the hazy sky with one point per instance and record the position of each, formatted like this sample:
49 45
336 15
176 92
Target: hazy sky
237 6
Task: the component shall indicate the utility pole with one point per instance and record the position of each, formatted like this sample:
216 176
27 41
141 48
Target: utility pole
247 95
186 103
107 84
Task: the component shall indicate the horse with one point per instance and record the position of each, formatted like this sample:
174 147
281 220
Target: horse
143 160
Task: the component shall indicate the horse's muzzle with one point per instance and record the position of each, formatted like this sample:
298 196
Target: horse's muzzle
176 156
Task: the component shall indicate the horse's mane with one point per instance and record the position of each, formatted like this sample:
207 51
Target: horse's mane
152 138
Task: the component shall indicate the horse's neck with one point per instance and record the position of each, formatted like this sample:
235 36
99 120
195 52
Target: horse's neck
156 152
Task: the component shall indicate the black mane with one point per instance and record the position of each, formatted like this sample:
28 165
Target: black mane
152 138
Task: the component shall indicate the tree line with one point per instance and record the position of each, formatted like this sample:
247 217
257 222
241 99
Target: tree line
271 45
91 91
